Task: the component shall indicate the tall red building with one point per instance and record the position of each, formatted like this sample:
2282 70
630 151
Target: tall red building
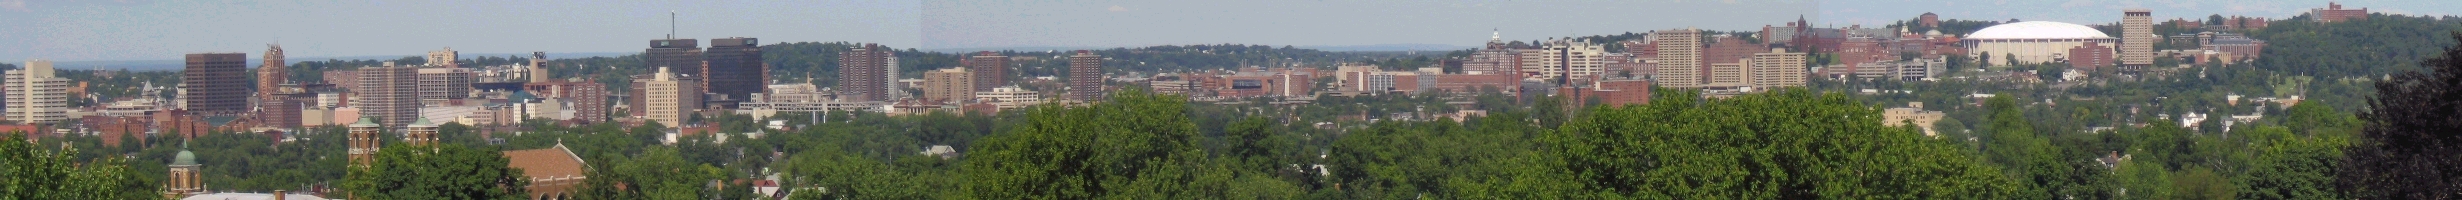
1085 76
862 73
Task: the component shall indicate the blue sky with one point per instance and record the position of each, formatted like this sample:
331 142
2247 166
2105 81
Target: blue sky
80 30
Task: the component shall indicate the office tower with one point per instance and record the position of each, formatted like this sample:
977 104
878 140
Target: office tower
863 73
275 106
991 70
2137 40
950 85
363 140
1778 68
447 58
217 83
667 97
1085 76
35 94
389 93
441 84
270 77
674 53
735 68
1679 57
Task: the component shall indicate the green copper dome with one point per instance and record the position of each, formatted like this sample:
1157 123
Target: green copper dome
184 157
365 122
422 122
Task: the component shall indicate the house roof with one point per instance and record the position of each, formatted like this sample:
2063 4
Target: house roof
547 163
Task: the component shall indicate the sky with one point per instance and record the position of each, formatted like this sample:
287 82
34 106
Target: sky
88 30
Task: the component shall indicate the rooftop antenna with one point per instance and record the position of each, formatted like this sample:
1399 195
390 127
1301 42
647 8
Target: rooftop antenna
670 24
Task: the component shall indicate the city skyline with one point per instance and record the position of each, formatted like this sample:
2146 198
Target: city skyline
71 31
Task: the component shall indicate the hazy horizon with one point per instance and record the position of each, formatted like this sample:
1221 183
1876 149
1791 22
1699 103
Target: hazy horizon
159 30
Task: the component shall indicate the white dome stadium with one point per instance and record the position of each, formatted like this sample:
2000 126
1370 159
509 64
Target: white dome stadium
2038 30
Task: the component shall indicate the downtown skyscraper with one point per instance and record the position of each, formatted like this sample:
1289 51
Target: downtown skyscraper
217 83
734 68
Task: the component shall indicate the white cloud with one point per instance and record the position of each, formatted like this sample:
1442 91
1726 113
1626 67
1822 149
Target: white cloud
1117 8
16 5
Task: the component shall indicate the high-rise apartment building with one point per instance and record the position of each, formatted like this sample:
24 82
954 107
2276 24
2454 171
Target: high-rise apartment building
2137 40
950 85
668 97
1778 68
217 83
390 93
35 94
1085 77
1572 60
991 70
1679 57
863 73
674 53
441 84
734 68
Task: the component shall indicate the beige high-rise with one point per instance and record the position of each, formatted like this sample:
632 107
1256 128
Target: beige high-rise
2136 39
35 94
1778 68
669 99
1679 54
950 85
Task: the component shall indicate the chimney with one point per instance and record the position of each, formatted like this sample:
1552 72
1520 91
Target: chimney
278 195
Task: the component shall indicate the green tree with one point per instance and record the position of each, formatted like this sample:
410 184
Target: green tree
656 173
30 173
2201 183
2406 151
442 171
1765 146
1135 145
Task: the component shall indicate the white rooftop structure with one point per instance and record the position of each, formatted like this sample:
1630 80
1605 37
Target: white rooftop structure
2038 30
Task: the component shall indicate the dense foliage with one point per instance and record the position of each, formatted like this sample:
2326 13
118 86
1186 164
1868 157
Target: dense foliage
27 172
437 172
2407 152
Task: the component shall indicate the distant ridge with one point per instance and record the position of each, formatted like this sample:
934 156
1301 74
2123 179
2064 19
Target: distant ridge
174 64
